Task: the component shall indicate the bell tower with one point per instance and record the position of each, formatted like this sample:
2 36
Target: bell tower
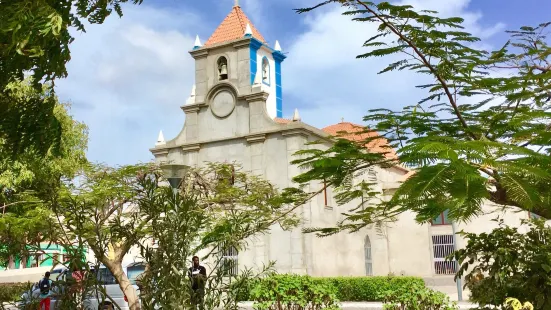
237 55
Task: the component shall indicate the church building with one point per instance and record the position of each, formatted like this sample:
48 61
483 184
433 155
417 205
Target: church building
234 114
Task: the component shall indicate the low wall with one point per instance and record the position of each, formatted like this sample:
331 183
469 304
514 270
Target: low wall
23 275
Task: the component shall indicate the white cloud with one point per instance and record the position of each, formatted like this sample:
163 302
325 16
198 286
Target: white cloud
127 80
323 77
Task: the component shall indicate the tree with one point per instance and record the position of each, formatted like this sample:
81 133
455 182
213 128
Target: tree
115 209
217 210
507 263
481 134
34 39
32 178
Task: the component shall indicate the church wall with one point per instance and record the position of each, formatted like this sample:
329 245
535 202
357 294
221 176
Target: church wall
211 127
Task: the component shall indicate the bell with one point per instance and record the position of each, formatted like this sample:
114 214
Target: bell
223 70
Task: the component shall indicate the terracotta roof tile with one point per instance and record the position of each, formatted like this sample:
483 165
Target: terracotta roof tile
233 27
354 132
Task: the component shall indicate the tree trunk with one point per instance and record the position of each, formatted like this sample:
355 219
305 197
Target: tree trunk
124 283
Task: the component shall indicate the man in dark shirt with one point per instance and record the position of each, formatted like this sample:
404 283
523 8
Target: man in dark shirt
198 276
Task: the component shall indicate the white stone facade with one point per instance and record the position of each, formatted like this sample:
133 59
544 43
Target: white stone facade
243 130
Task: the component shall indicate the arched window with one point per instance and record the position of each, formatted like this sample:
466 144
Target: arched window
222 64
368 259
265 71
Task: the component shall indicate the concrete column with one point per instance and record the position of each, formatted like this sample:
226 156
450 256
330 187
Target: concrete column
300 246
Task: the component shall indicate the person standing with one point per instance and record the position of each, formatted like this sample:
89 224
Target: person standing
198 276
45 285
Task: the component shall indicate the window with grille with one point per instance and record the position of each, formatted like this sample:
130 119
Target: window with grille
442 219
442 247
372 175
368 258
230 261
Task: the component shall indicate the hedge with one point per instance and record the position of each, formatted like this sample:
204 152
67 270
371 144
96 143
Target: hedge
356 288
369 288
11 292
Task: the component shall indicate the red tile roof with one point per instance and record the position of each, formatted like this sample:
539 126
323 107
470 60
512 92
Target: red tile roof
233 27
355 132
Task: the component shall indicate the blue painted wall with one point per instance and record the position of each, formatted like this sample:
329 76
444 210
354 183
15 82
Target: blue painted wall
278 58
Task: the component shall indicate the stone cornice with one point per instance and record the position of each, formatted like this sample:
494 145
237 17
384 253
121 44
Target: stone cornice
260 96
294 132
256 138
191 147
192 108
199 53
159 152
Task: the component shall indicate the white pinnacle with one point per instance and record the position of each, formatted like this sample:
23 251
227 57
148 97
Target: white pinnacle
296 116
197 42
277 47
248 30
191 99
161 139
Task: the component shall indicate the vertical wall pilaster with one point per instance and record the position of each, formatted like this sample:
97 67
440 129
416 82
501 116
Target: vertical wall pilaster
296 141
192 122
260 243
257 106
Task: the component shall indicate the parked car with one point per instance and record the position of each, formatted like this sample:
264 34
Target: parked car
94 299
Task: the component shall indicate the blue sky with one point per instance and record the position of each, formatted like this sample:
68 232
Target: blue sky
129 76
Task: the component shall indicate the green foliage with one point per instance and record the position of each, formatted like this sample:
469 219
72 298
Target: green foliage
34 39
32 177
481 133
11 292
356 288
217 209
417 297
515 304
286 292
506 263
369 288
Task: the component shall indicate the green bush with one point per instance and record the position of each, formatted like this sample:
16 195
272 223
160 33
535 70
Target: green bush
11 292
508 263
354 288
293 292
369 288
417 297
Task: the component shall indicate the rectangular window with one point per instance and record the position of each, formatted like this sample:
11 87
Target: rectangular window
442 219
230 262
442 246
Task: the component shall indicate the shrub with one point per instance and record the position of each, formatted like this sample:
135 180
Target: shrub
11 292
417 297
369 288
286 292
506 263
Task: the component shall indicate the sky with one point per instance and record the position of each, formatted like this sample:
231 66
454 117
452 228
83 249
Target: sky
129 76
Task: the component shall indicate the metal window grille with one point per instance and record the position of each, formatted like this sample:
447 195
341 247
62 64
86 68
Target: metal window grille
230 261
372 175
368 258
443 247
